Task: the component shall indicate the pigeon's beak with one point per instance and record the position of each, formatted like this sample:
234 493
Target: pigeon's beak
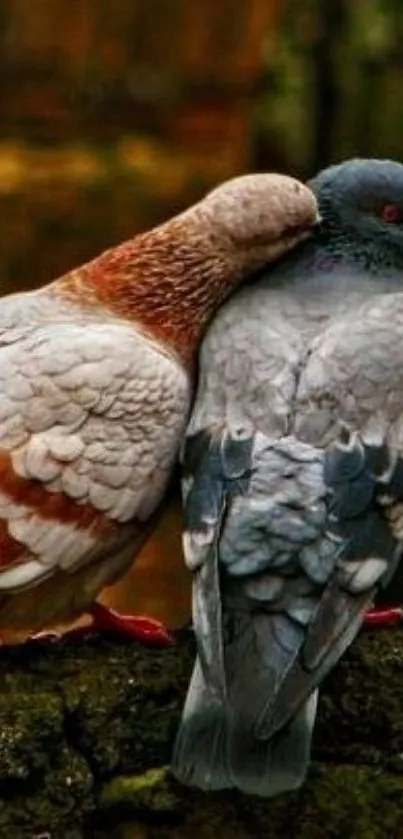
318 223
301 232
304 230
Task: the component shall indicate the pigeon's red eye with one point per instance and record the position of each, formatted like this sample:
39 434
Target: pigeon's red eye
391 213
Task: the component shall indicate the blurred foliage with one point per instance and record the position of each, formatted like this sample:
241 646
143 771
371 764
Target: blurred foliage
332 84
115 114
60 206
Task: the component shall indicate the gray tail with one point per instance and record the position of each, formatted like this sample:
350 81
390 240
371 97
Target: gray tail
276 765
216 746
200 750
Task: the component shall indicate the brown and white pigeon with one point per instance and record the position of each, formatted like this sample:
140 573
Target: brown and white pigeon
96 373
293 483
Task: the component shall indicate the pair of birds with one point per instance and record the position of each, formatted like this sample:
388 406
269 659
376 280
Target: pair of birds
292 470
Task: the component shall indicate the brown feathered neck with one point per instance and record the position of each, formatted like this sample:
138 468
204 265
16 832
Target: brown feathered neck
168 281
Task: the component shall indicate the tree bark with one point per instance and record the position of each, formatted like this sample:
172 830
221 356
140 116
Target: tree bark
86 730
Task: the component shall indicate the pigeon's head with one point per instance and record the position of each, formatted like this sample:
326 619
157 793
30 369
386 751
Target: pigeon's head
361 201
260 217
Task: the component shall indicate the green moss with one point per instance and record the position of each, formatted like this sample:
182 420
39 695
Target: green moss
337 801
62 797
31 731
362 702
354 801
124 707
151 791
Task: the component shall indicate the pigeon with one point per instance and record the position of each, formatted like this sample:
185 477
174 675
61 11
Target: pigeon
293 483
96 379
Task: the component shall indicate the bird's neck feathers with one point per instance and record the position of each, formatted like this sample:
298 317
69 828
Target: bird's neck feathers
335 250
168 281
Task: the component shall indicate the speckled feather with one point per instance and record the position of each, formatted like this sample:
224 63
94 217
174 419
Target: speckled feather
301 372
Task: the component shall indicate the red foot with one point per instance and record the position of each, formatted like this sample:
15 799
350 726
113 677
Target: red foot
146 630
384 617
138 627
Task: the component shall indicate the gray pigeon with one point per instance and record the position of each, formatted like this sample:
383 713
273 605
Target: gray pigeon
293 481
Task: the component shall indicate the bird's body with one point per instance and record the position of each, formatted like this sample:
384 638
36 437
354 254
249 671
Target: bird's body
95 386
290 529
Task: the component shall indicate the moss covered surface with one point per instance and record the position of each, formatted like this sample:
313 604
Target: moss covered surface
86 730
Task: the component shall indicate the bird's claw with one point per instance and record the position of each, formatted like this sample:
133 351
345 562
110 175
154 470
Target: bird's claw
137 627
140 628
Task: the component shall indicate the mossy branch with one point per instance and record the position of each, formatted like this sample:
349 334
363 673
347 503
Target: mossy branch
86 730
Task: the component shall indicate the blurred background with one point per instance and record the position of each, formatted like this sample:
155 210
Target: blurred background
115 114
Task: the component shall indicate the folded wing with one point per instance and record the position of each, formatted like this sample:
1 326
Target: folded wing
90 420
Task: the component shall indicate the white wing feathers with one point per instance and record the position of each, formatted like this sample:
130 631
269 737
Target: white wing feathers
91 416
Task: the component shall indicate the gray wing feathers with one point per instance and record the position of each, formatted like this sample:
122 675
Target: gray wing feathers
335 625
293 577
214 466
271 510
356 473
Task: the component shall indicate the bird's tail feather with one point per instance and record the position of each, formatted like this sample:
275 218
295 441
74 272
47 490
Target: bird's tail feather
261 649
200 750
217 747
276 765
